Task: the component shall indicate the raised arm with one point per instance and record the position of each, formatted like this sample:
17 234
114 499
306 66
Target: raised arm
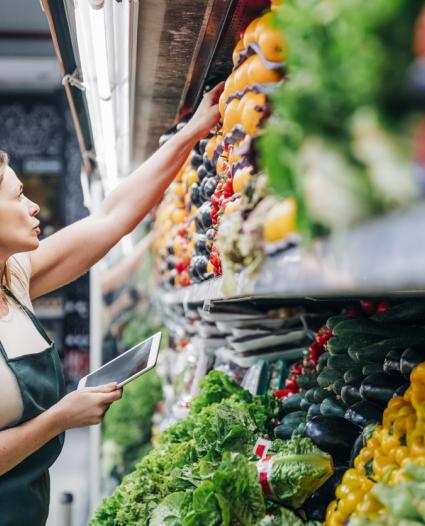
69 253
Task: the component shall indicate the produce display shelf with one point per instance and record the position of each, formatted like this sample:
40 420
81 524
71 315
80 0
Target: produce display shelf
382 257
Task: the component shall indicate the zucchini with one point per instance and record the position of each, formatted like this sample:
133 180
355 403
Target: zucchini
292 403
410 311
340 344
332 407
364 413
372 368
313 411
333 434
380 388
354 375
368 326
410 359
309 395
295 418
350 394
354 355
285 432
305 405
334 320
328 376
320 394
340 362
392 361
337 386
306 381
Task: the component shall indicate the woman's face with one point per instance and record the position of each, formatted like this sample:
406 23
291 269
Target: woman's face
19 227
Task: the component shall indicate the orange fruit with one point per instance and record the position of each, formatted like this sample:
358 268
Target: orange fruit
179 216
220 164
190 177
237 51
253 110
249 35
212 146
258 73
272 45
222 103
264 23
229 86
241 179
280 220
241 79
231 116
178 189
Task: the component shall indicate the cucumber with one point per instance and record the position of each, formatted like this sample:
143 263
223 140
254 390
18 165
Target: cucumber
364 413
410 359
340 362
372 368
380 388
306 381
313 411
292 403
334 320
328 376
354 375
410 311
367 326
354 355
337 386
320 394
332 407
392 361
401 390
350 394
309 395
340 344
377 352
322 361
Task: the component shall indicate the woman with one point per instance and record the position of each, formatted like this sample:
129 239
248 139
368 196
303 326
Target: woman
33 412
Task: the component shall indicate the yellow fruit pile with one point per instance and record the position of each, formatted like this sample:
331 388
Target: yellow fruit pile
400 440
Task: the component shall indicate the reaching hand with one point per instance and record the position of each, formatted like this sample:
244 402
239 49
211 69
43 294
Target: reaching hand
207 115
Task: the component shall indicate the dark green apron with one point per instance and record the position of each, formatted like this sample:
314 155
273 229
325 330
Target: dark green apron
25 490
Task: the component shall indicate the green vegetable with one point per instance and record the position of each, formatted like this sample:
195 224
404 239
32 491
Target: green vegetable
306 381
128 423
350 394
313 411
168 511
410 359
332 407
299 469
409 311
285 517
215 387
364 413
380 388
354 375
292 403
328 376
340 362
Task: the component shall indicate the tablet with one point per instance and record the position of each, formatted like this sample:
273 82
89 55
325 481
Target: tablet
127 366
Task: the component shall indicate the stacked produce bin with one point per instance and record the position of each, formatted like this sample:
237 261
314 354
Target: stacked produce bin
294 380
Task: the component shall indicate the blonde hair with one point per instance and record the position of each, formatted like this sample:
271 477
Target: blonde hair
4 162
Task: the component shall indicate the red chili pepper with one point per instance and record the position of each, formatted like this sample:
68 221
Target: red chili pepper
282 393
369 307
383 306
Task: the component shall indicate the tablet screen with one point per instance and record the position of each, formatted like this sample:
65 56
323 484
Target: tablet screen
128 364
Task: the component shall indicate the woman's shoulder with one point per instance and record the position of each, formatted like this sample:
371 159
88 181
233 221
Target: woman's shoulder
20 276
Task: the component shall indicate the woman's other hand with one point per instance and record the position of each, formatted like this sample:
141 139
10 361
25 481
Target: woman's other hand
207 115
85 407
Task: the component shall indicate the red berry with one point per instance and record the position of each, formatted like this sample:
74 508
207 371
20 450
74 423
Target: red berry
383 306
369 307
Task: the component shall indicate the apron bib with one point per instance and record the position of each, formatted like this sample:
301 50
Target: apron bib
25 490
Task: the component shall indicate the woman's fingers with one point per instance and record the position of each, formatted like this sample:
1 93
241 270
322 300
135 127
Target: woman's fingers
215 93
108 398
107 388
